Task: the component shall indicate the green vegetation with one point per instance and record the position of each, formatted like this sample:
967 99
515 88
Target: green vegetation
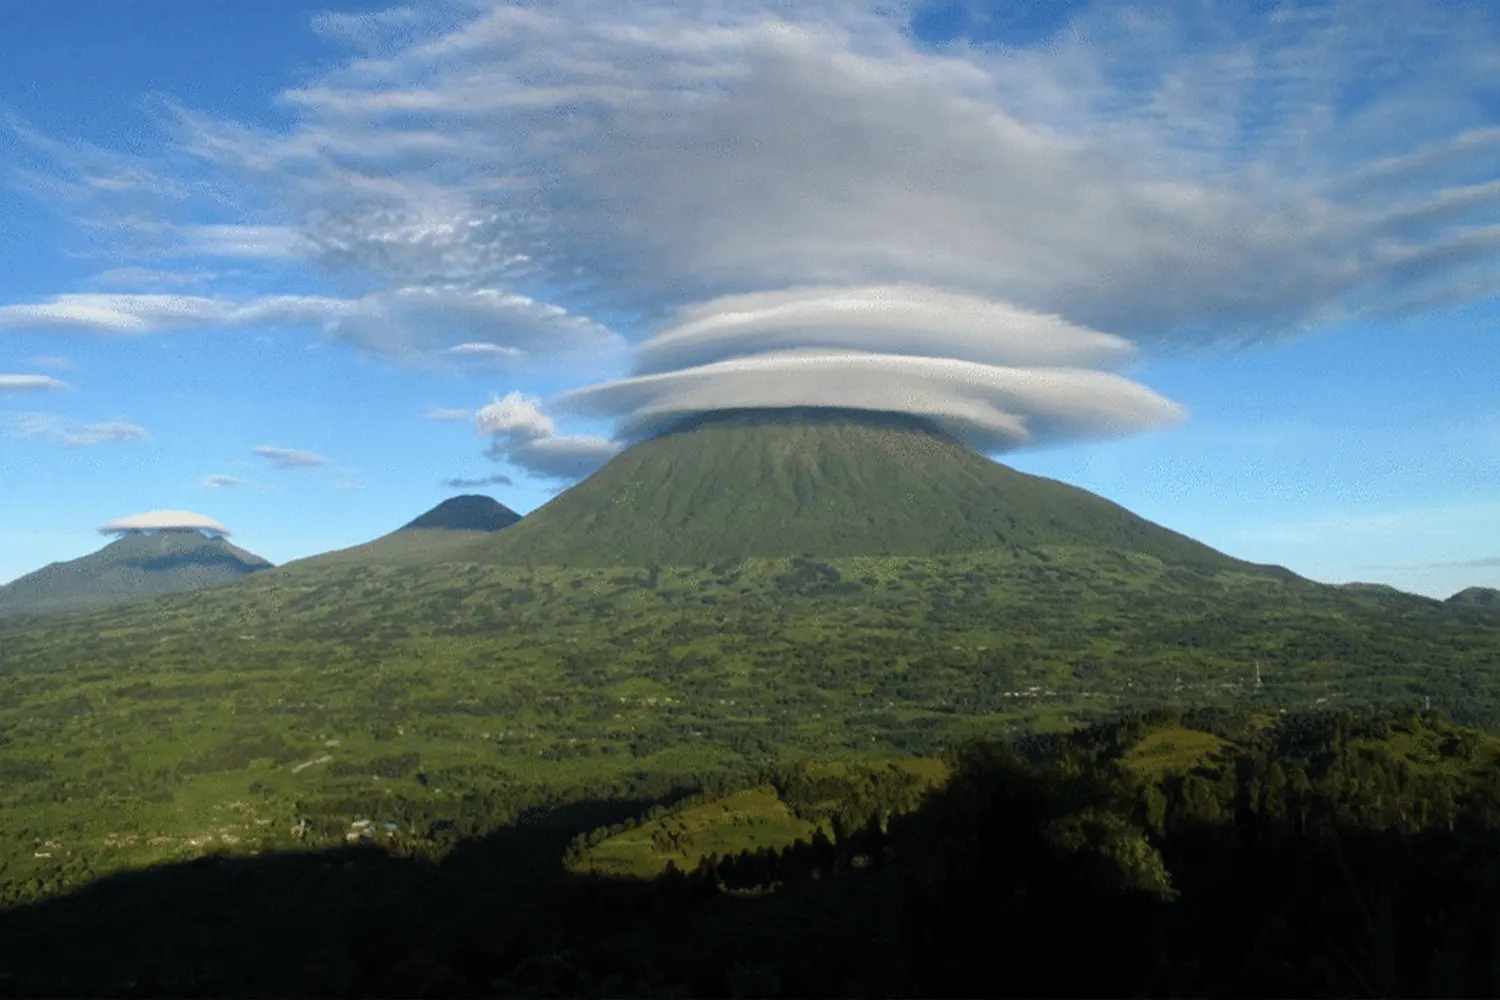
1320 854
1478 598
159 729
773 484
800 802
131 568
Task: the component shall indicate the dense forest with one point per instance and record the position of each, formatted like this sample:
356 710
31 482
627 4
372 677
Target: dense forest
1313 854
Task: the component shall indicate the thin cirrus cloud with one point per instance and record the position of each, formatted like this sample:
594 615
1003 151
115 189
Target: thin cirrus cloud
404 324
69 432
227 482
802 204
289 458
30 383
497 479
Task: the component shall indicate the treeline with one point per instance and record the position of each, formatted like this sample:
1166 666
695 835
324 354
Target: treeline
1327 854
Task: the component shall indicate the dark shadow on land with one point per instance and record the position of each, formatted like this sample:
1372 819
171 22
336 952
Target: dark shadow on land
1322 872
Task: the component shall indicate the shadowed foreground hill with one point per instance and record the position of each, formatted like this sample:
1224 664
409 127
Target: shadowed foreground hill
831 482
443 532
131 568
1323 855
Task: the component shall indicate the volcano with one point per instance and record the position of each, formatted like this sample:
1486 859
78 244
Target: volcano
774 483
134 567
470 512
453 526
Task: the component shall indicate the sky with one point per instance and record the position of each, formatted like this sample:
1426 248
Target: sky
308 270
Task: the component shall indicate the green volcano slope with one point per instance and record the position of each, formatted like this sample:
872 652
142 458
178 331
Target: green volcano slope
131 568
772 484
445 532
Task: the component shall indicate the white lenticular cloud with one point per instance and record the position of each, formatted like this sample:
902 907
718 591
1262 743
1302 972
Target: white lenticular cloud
990 407
164 520
921 322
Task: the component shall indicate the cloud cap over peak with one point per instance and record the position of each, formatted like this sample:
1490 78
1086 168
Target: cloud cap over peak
164 520
990 407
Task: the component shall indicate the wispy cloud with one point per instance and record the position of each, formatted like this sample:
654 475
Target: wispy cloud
405 324
226 482
498 479
289 458
137 277
30 383
121 314
69 432
447 414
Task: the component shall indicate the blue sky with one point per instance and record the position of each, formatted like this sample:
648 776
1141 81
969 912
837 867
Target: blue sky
299 267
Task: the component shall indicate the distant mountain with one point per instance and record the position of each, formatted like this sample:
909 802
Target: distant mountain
1481 598
133 567
774 483
470 512
453 526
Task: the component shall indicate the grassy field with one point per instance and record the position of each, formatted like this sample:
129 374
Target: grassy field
750 819
214 721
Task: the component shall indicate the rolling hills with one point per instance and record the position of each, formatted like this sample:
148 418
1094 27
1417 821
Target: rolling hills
133 567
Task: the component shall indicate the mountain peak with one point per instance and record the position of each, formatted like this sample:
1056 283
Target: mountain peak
469 512
133 567
780 482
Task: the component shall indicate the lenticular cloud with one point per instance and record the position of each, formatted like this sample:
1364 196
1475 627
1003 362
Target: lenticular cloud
891 319
989 407
992 374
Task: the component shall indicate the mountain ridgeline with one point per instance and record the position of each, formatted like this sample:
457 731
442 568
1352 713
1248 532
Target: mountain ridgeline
757 483
133 567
